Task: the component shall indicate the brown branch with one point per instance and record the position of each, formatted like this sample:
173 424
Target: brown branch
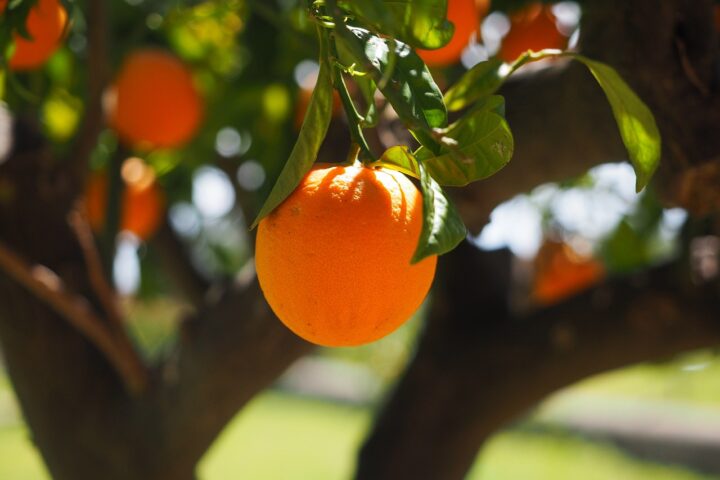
479 366
97 78
50 289
175 260
96 274
230 351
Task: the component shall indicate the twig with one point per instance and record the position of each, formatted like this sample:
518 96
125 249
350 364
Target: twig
689 70
97 77
96 273
49 288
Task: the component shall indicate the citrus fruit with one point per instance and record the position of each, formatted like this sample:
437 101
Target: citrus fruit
142 204
532 28
46 23
465 15
333 260
154 102
561 272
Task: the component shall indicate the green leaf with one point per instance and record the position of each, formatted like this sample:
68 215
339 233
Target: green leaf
637 125
311 136
484 146
399 158
409 88
442 229
480 81
420 23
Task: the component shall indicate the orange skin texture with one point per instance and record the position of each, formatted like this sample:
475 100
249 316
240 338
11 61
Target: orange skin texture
154 102
465 15
333 260
142 206
561 273
532 28
46 24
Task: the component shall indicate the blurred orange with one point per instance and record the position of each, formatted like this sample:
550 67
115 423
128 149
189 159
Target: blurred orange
466 16
532 28
717 17
143 203
154 102
561 272
46 24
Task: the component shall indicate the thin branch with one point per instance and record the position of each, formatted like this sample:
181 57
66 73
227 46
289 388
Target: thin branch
96 273
49 288
97 78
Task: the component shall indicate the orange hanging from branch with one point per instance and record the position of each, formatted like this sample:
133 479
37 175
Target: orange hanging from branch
46 24
532 28
154 102
466 16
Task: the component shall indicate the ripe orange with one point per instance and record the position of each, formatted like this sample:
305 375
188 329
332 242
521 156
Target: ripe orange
465 15
154 102
142 204
561 272
46 24
333 260
532 28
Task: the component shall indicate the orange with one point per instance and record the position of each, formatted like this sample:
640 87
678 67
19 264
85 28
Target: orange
46 24
465 15
333 260
532 28
154 102
142 203
561 272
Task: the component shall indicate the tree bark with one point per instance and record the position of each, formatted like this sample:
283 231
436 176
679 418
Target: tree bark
479 366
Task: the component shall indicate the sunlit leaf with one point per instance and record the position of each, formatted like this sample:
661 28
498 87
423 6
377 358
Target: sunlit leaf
420 23
442 229
482 80
484 146
399 158
409 88
637 125
312 133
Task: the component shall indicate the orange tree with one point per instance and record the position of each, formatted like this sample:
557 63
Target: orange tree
98 408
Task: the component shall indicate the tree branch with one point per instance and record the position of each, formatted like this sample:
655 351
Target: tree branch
97 78
50 289
226 354
479 366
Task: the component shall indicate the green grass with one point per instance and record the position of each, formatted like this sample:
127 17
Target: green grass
533 456
286 438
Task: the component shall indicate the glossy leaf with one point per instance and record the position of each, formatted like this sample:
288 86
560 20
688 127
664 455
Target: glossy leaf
484 146
480 81
312 133
409 88
637 125
420 23
442 229
399 158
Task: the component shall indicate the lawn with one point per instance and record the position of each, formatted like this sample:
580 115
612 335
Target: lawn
281 437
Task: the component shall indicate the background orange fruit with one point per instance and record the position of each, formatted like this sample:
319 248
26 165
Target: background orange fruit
142 205
561 272
154 102
532 28
46 24
333 260
465 15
